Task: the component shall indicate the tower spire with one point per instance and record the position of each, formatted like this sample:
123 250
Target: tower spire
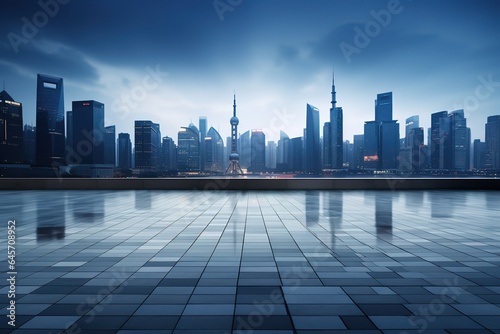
234 105
334 93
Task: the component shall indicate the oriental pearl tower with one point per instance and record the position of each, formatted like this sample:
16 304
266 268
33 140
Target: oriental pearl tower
234 166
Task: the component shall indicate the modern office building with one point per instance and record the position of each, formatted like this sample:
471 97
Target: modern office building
358 147
411 123
492 138
381 138
281 154
371 149
296 155
460 141
188 150
271 155
88 133
214 152
348 154
258 151
203 133
435 142
11 130
415 139
146 146
168 161
312 141
327 146
124 151
110 145
383 107
29 144
244 149
69 134
479 159
336 132
50 141
389 145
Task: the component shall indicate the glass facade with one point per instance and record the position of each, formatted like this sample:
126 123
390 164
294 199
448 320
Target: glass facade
11 130
50 141
312 141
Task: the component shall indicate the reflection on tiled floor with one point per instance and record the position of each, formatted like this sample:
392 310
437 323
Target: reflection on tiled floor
254 262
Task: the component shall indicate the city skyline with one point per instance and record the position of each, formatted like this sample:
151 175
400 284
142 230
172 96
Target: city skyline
274 67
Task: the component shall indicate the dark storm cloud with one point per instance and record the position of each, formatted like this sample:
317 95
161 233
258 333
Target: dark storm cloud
55 59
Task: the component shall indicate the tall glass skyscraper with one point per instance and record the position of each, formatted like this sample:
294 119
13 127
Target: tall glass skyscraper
383 107
214 151
492 139
327 145
50 141
11 130
258 151
110 145
124 151
411 123
169 154
203 134
312 141
88 133
460 137
435 143
146 145
371 149
188 150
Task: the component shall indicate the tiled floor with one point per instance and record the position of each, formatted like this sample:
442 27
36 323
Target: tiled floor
254 262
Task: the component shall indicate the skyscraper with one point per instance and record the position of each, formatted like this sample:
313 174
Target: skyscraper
234 165
50 148
389 132
124 151
358 152
214 151
29 143
69 133
445 144
327 146
381 139
411 123
336 134
203 133
296 155
258 151
383 107
244 149
312 142
11 130
88 133
271 155
460 137
188 150
479 161
169 155
146 146
492 138
414 141
110 145
435 144
371 149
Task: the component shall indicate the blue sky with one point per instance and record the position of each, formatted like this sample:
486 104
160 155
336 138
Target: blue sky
277 55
